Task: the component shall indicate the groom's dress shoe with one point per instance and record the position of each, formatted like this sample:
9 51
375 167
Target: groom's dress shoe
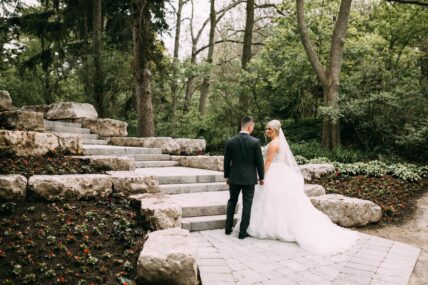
242 236
228 232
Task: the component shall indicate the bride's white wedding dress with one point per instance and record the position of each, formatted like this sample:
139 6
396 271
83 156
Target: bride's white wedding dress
281 210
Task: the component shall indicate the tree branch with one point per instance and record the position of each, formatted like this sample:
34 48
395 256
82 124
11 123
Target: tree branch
304 35
412 2
226 41
338 38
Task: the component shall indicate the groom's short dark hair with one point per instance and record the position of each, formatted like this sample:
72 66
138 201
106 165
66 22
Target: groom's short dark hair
245 120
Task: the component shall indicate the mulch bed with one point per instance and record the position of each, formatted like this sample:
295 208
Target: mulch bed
396 197
46 165
75 242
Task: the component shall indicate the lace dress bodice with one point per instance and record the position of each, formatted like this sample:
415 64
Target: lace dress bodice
264 152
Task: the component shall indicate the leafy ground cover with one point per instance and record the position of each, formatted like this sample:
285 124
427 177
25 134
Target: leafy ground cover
48 164
77 242
395 196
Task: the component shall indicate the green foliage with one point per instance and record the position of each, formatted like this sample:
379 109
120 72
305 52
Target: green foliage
406 172
313 150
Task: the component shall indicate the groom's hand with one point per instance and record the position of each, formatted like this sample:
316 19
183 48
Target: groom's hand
261 182
227 181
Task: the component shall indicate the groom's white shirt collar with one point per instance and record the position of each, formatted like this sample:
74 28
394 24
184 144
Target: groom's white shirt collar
244 132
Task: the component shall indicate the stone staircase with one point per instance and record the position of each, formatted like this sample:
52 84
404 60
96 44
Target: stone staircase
202 195
144 157
66 129
92 145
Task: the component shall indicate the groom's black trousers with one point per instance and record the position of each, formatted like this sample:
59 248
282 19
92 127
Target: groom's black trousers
247 200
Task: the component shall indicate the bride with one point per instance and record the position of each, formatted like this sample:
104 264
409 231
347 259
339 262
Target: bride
281 210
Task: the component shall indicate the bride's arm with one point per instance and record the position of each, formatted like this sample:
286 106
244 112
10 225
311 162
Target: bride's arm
272 149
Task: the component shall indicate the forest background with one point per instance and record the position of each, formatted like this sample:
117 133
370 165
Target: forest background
242 57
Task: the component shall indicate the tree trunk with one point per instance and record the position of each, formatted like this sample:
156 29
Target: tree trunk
86 51
329 77
189 93
205 87
141 28
246 51
248 35
330 127
174 84
98 73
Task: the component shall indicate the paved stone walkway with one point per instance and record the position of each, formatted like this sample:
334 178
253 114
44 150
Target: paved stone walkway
226 260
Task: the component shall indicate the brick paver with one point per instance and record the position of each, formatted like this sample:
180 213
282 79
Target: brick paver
227 260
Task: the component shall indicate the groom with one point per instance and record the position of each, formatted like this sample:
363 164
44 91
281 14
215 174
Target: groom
243 160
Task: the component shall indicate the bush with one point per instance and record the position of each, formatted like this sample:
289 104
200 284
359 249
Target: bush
313 150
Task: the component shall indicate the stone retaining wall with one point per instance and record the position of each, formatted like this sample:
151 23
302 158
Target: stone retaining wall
24 143
72 186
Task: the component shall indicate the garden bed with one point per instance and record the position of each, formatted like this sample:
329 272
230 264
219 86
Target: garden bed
395 196
48 164
78 242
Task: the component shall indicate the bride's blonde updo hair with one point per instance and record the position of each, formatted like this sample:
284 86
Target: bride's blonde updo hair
275 125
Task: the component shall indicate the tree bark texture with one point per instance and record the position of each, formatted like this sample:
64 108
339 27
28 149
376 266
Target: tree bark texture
246 51
205 87
97 46
174 84
142 38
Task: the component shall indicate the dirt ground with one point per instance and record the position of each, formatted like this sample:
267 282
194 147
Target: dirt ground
415 232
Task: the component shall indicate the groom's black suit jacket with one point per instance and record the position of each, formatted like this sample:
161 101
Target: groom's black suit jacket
243 160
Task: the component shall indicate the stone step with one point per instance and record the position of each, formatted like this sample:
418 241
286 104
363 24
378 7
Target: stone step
62 124
202 204
151 157
67 129
160 163
121 150
193 187
205 223
94 142
83 136
165 179
181 175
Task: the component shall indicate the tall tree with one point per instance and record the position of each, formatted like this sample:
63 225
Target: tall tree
97 42
206 81
142 39
246 50
195 51
328 76
174 84
147 18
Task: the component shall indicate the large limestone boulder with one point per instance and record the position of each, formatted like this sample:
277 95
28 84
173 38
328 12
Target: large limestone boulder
167 144
192 146
311 171
5 101
168 257
71 110
70 144
22 120
132 183
82 186
37 108
314 190
27 143
347 212
104 127
108 162
12 187
203 162
159 210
